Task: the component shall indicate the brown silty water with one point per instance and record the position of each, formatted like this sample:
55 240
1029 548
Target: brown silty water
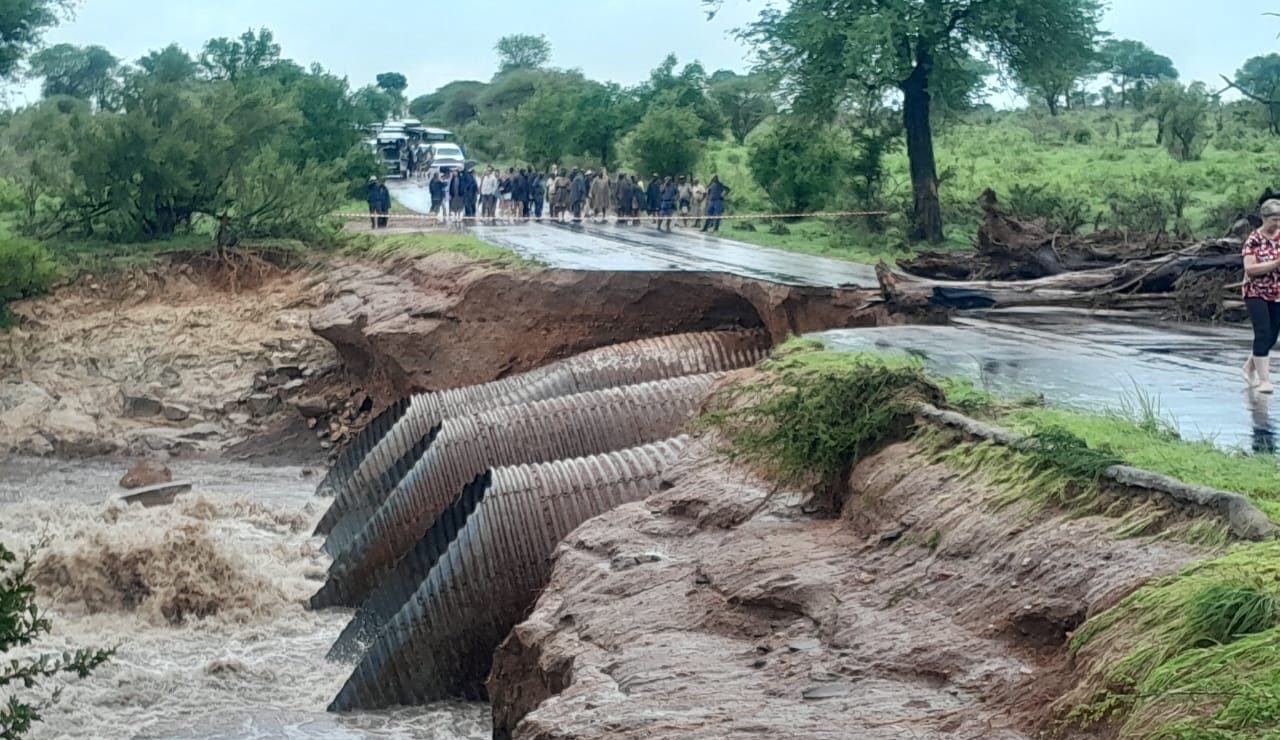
204 599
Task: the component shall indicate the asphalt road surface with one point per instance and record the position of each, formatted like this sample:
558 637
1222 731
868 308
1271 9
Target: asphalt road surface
606 246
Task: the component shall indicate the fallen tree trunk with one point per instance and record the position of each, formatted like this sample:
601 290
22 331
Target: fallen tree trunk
1134 284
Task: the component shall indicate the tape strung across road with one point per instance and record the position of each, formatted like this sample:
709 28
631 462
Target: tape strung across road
502 220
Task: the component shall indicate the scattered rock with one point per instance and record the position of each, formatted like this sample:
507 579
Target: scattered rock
175 412
170 377
145 473
262 404
140 406
37 444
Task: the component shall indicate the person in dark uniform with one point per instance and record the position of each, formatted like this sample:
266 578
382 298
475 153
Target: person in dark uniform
375 201
577 194
384 203
436 189
537 193
716 191
667 205
470 191
623 195
654 196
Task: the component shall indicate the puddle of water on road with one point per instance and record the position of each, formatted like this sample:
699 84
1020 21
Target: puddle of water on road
241 541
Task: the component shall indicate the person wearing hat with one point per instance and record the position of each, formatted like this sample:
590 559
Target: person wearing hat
375 201
1262 294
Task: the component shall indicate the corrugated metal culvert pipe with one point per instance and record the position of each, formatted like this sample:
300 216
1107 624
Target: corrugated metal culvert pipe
582 424
440 642
386 448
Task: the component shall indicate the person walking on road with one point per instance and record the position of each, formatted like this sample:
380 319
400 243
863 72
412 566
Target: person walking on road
560 199
667 205
684 200
438 193
654 196
537 192
601 194
489 194
1262 295
716 192
699 202
622 194
374 196
384 203
577 194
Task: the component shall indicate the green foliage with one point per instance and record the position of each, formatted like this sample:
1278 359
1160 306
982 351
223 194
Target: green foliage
26 269
253 53
745 100
797 163
1182 117
393 82
88 73
817 413
22 25
169 65
21 624
1057 448
1259 79
1134 67
1190 655
666 140
522 51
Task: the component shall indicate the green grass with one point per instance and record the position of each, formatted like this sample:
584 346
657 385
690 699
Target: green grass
356 205
1193 655
400 245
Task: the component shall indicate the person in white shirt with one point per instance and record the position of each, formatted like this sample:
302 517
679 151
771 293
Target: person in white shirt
489 193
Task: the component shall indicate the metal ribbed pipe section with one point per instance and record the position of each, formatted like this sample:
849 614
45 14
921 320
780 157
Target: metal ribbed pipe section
440 644
583 424
354 479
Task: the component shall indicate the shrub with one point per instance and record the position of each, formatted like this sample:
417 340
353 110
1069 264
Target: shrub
1062 210
26 269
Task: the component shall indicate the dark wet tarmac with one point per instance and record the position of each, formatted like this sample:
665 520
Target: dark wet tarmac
607 246
1094 362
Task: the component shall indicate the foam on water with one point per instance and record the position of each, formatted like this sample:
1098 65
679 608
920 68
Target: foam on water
204 599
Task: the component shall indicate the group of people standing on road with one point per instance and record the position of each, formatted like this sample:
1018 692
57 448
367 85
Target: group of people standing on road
574 194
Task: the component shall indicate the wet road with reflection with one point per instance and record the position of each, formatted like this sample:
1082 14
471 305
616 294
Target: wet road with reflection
607 246
1092 361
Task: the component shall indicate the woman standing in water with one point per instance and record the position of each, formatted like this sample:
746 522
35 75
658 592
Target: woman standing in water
1262 294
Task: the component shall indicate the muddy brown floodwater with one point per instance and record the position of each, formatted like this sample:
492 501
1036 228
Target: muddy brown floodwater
238 545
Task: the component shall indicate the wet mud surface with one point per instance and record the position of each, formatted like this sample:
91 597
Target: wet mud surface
607 246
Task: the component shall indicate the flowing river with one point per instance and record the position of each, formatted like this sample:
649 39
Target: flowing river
238 546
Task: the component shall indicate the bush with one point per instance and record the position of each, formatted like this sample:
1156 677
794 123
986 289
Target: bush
1063 211
26 269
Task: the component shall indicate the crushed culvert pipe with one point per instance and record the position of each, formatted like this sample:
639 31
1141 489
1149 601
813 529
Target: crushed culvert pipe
357 478
572 426
439 643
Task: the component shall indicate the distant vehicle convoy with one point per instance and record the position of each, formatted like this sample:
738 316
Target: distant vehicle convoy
406 144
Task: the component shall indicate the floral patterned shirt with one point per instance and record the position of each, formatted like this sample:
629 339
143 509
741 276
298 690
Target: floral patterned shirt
1266 249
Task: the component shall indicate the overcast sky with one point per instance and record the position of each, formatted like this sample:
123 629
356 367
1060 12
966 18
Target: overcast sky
435 41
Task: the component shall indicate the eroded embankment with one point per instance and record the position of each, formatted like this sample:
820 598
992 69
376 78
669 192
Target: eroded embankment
442 321
721 606
945 586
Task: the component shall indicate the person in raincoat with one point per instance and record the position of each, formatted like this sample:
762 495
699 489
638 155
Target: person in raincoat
601 194
716 192
622 194
375 201
577 194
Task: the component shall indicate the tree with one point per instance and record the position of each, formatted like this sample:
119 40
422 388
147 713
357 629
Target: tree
22 24
797 163
1259 80
522 51
828 53
603 114
374 103
687 89
1053 73
392 82
1134 67
88 73
1182 118
170 64
21 624
744 100
666 140
452 105
232 59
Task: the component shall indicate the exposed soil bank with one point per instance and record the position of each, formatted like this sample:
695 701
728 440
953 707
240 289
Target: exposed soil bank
170 361
441 321
721 607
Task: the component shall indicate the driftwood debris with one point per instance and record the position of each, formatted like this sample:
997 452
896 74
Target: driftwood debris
1021 263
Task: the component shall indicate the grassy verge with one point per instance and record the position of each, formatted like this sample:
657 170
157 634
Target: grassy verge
399 245
1192 655
356 205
